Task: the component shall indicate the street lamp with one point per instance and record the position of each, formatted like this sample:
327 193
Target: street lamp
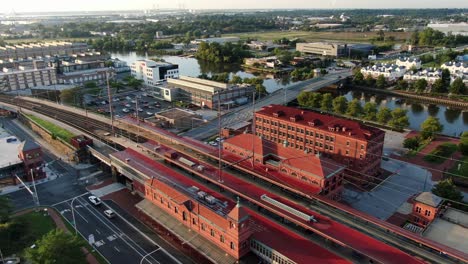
73 215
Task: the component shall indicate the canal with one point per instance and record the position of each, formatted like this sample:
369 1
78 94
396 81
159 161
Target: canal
455 121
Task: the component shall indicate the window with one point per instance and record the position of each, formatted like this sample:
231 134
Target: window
427 213
347 152
221 238
168 205
176 210
184 216
203 226
362 146
212 233
418 209
194 222
233 246
347 143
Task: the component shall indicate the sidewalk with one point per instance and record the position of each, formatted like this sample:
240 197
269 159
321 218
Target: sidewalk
61 225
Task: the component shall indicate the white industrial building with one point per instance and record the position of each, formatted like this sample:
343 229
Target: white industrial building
152 72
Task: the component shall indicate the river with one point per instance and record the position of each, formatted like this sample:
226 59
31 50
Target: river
454 121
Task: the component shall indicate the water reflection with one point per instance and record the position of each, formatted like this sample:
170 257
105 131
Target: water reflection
432 110
451 115
417 108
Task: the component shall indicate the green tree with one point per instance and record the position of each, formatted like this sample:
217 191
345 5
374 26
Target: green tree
69 96
402 85
439 86
117 85
340 104
316 100
381 82
463 146
90 85
381 35
370 81
327 102
370 111
57 247
430 127
358 78
304 98
412 143
236 79
5 209
354 108
458 87
420 85
134 82
446 189
384 115
399 119
446 77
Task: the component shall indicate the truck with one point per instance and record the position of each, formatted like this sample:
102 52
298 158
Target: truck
171 154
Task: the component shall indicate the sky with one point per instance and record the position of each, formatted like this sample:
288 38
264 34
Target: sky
94 5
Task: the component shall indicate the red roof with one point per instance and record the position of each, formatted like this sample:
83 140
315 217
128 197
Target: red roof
322 122
296 159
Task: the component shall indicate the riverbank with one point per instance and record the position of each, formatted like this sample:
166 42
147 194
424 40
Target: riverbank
416 97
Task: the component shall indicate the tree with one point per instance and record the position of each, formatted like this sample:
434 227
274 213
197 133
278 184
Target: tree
369 80
117 85
384 115
354 108
68 96
446 189
236 79
340 104
463 146
304 98
134 83
5 209
381 35
358 78
57 247
430 127
399 120
420 85
402 85
446 77
370 111
439 86
381 82
412 143
458 87
316 100
327 102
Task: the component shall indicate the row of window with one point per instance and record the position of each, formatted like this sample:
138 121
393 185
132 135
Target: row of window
299 130
267 253
426 213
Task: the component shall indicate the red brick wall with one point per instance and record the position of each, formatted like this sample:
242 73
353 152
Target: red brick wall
423 214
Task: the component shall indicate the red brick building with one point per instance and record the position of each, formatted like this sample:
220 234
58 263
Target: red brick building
350 143
323 175
426 206
226 226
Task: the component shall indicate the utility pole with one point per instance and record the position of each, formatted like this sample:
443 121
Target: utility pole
33 194
35 190
110 103
220 173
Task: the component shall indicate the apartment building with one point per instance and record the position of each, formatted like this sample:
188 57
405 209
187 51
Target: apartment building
23 51
430 75
409 62
205 93
323 48
455 67
391 72
152 72
349 143
25 78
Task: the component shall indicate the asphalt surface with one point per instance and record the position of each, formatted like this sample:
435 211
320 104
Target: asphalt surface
277 97
62 188
114 238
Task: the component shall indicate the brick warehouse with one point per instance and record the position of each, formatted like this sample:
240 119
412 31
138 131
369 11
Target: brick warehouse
357 146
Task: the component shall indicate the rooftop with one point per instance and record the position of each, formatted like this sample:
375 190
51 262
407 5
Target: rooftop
9 154
450 230
429 199
327 123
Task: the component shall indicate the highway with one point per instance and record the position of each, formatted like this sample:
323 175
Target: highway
114 238
244 113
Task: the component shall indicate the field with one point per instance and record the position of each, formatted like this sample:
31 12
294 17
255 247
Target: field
320 36
463 172
52 128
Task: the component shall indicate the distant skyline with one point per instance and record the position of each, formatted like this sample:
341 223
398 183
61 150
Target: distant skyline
102 5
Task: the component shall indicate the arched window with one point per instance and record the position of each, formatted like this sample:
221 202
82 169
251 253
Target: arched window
294 174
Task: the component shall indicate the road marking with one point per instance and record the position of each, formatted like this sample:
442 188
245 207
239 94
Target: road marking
97 231
112 237
64 201
116 249
64 211
99 243
78 213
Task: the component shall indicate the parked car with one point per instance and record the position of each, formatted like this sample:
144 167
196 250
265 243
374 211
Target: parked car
128 105
125 110
94 200
140 110
149 113
109 213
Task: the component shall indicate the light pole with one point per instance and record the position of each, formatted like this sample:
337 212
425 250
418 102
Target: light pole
73 215
35 190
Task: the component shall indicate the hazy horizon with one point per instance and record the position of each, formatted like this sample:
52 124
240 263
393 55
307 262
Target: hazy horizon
121 5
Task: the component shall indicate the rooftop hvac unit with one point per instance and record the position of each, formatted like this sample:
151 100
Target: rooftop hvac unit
201 194
210 199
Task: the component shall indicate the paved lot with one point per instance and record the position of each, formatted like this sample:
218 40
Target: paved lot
385 199
115 238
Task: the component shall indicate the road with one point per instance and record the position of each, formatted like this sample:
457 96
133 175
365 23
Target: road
278 97
114 238
62 188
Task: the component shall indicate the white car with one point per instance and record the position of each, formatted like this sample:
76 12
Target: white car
125 110
94 200
109 213
149 113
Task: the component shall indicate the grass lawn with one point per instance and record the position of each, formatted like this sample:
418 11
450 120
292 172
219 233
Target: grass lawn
463 172
23 231
441 153
54 129
315 36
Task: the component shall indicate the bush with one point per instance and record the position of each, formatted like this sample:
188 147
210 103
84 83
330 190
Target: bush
441 153
463 146
412 143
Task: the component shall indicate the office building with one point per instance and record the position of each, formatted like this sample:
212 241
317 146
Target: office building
350 143
323 48
205 93
153 73
25 77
